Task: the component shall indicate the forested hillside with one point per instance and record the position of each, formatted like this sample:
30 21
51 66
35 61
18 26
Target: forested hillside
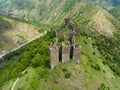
98 33
98 68
108 4
116 12
48 11
40 11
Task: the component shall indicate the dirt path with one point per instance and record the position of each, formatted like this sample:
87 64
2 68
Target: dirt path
14 84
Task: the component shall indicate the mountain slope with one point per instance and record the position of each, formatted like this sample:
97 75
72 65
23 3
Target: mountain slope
108 4
93 73
46 12
49 12
113 6
96 19
14 33
99 35
115 12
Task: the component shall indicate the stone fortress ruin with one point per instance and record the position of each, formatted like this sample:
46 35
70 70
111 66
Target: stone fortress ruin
68 50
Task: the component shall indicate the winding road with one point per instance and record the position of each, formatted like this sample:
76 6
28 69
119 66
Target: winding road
1 55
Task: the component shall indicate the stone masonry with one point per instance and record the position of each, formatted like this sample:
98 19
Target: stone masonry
76 53
54 56
67 50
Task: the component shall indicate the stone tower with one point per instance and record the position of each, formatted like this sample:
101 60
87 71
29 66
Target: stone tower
68 49
54 56
76 53
65 48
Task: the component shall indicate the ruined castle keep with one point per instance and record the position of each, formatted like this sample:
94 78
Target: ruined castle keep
68 50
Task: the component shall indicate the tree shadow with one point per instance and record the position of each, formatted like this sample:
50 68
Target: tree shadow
4 25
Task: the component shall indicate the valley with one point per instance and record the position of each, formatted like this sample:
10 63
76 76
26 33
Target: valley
14 33
97 32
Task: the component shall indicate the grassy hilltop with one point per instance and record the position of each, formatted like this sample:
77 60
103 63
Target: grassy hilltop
98 33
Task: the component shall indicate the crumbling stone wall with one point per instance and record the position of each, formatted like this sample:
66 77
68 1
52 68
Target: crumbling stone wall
65 53
54 56
68 49
53 30
57 32
76 53
68 22
72 37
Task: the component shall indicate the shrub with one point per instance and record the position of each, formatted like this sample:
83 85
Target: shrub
94 53
96 67
103 87
64 69
68 75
